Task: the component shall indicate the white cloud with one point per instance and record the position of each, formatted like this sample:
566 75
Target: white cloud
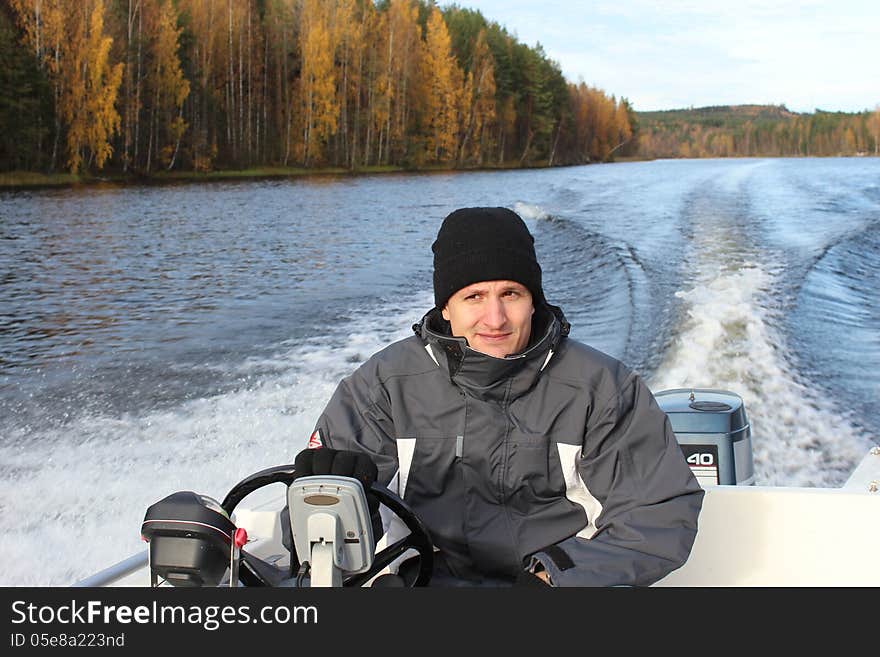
680 53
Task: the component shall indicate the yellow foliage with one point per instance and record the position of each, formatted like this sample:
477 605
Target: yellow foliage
401 83
477 110
170 78
443 84
353 81
874 128
101 90
601 125
320 104
68 38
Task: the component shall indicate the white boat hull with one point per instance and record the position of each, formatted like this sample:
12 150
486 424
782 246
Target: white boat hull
747 536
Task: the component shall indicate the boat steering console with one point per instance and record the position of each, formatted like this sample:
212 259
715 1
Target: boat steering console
193 540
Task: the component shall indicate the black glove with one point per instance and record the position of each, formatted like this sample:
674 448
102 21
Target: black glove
339 462
342 463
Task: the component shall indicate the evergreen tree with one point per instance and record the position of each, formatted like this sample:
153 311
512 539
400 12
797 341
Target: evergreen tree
25 103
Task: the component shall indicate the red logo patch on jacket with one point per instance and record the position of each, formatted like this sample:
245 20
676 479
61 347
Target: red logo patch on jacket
315 441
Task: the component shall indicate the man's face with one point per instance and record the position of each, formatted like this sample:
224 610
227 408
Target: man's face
494 316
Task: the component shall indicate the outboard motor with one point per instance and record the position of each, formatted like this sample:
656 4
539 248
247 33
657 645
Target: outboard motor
714 433
192 541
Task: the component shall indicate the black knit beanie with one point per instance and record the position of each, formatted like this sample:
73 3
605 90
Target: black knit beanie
484 244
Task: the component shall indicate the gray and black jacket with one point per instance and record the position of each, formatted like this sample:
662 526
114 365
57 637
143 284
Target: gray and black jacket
559 454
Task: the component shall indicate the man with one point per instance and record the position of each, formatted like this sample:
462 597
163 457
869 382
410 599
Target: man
530 457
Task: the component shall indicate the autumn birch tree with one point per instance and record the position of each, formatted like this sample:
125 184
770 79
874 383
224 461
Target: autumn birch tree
401 48
349 38
378 89
874 128
478 104
238 83
203 25
170 88
75 51
319 101
442 89
131 75
102 87
622 126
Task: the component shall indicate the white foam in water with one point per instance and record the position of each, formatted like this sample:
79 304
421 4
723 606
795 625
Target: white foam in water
530 212
72 499
728 342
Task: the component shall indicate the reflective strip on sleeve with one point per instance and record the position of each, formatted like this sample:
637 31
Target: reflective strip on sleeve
575 488
405 449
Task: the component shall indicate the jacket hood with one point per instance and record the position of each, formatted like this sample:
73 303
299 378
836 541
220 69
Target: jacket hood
487 377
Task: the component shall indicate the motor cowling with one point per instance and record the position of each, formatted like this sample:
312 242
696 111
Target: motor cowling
713 430
190 538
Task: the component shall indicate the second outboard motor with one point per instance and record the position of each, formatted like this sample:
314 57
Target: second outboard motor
714 433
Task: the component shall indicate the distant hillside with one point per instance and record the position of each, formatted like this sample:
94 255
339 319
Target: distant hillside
755 130
719 115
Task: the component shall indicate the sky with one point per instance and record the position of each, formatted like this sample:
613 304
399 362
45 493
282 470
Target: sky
674 54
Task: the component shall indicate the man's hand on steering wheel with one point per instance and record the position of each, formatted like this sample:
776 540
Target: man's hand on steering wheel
343 463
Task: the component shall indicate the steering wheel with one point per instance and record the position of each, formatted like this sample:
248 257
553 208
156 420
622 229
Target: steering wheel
418 538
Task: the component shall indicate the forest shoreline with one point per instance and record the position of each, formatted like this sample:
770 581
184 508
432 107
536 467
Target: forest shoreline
13 180
28 180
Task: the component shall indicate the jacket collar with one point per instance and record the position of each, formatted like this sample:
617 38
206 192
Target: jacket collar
487 377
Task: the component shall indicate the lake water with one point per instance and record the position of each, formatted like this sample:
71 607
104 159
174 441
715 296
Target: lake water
159 338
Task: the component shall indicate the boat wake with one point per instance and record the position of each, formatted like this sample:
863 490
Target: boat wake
88 483
729 341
